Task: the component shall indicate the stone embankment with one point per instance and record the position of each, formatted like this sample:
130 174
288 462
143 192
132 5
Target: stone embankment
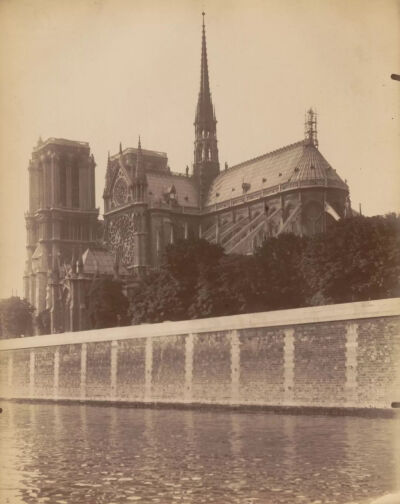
327 358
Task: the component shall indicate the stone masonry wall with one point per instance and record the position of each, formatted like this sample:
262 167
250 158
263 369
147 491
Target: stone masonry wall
211 368
131 369
320 363
168 368
69 372
262 365
332 356
378 360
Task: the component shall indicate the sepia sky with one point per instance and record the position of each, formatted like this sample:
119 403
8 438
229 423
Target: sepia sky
105 71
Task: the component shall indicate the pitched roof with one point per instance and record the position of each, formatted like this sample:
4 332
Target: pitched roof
313 165
100 261
293 163
145 152
159 184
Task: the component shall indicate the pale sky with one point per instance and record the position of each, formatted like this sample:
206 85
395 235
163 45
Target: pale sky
105 71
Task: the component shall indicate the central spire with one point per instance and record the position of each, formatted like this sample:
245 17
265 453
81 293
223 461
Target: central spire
204 79
206 164
205 112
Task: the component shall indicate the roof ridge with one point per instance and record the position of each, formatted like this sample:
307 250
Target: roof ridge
170 174
263 156
129 150
61 141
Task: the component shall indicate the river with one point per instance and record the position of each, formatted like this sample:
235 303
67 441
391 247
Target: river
68 454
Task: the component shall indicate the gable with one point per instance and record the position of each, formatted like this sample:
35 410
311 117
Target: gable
114 168
120 193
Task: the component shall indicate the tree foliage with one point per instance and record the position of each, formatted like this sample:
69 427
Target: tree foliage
229 287
168 294
107 304
282 279
356 259
157 297
16 317
191 262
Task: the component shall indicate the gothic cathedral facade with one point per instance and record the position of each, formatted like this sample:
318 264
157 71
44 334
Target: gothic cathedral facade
147 206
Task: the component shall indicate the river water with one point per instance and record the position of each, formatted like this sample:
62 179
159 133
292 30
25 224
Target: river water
86 454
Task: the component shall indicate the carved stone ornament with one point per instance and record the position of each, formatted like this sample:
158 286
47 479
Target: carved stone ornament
120 192
120 233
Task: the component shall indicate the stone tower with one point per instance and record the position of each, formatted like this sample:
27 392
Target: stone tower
206 164
62 220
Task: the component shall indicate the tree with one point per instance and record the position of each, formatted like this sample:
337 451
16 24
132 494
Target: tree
158 296
187 260
168 294
107 305
282 283
230 287
357 259
15 317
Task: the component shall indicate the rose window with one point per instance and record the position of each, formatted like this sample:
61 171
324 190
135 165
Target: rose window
120 192
121 238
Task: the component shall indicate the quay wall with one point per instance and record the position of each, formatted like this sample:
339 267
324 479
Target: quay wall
335 356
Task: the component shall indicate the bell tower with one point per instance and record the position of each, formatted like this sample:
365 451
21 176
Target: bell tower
206 163
62 220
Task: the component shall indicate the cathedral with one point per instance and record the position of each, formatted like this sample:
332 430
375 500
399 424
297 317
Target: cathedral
147 206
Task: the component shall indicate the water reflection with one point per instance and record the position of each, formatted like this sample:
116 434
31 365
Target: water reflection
73 454
10 479
361 472
32 415
57 423
235 436
188 420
